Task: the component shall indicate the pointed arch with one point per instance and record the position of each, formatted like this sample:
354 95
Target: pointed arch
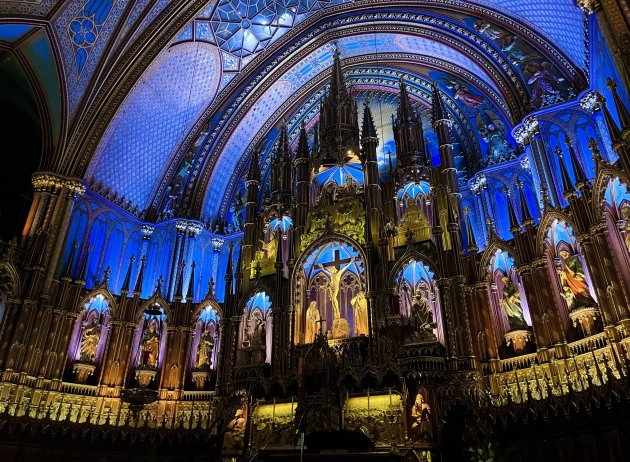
495 243
547 222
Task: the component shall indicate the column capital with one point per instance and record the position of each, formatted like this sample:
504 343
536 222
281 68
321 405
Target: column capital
591 101
530 124
147 231
589 6
521 135
54 183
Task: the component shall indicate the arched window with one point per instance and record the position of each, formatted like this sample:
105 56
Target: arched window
256 330
331 295
417 295
89 339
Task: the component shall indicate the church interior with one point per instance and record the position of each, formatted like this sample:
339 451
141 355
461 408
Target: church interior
315 230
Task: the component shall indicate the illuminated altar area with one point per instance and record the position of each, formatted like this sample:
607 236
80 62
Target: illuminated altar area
267 231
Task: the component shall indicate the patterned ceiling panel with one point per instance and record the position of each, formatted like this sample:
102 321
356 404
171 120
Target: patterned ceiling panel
298 76
83 29
152 121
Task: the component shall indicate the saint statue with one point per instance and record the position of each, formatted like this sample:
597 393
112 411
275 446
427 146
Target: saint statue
421 425
269 249
359 304
312 319
573 280
235 432
625 214
334 287
511 304
89 341
257 333
150 346
204 350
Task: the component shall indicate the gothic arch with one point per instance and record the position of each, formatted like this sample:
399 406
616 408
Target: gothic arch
155 300
112 306
495 243
411 254
550 214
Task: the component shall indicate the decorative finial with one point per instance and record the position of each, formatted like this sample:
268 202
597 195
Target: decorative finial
106 274
594 148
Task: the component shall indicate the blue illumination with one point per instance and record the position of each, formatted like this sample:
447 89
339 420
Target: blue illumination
560 232
12 32
283 224
259 301
208 314
340 174
412 190
617 194
415 272
337 253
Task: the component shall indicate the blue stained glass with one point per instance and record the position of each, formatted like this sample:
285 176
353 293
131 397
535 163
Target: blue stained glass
337 253
412 190
560 232
208 314
283 224
415 271
339 174
259 301
502 262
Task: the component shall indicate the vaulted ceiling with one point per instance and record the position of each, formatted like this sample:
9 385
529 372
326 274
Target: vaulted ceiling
146 82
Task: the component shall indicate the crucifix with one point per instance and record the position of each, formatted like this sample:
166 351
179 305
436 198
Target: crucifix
335 273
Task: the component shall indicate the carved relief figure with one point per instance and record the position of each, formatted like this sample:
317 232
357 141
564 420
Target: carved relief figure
545 85
463 93
334 287
573 279
511 304
312 320
150 346
359 303
89 341
204 350
421 425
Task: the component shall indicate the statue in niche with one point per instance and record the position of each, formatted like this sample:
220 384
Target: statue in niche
150 346
312 321
545 85
421 426
511 304
423 318
492 130
390 228
334 286
204 350
235 433
257 332
90 336
573 279
359 304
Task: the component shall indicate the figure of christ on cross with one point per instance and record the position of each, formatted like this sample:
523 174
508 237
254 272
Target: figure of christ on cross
335 273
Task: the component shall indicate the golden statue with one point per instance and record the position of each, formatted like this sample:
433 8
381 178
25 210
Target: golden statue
312 319
334 287
89 341
204 350
359 303
421 426
150 346
625 213
268 250
573 280
235 432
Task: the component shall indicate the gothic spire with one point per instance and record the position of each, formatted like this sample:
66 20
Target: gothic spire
404 111
368 130
438 112
254 167
611 124
338 88
580 176
68 274
302 148
179 289
472 243
567 184
514 224
127 281
84 264
140 280
526 215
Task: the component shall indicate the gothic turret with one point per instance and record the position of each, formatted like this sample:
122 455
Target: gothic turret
338 123
409 138
251 211
281 172
369 143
